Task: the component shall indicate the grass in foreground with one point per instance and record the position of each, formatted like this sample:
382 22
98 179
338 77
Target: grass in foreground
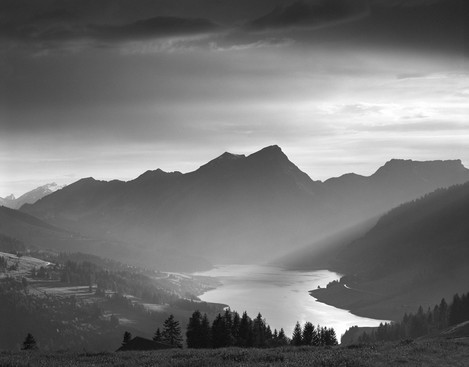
411 353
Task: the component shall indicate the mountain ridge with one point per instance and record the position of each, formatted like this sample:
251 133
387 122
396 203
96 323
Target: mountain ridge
234 207
414 255
30 197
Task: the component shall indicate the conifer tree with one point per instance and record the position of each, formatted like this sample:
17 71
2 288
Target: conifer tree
443 313
157 337
282 338
172 332
205 333
268 334
274 341
296 337
258 332
309 334
455 315
235 327
330 337
127 338
29 343
194 330
228 328
245 332
219 332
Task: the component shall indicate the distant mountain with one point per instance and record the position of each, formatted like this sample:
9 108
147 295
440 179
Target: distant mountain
396 182
21 231
415 254
233 207
8 201
30 197
237 208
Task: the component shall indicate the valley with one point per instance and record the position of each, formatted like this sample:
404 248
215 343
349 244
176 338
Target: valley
65 310
234 183
415 255
118 254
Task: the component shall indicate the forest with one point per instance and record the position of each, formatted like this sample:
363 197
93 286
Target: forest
422 323
232 330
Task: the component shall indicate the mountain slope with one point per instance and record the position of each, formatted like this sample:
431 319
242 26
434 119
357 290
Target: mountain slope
234 206
237 208
415 254
30 197
20 231
396 182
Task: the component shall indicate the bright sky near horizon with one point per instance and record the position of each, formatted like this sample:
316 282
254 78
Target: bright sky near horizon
112 89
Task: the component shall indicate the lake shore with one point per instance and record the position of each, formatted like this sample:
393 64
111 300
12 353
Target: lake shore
281 296
358 303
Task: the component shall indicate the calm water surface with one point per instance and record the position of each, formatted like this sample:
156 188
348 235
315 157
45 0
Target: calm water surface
281 296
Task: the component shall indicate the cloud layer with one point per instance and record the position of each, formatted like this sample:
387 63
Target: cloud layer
112 88
47 24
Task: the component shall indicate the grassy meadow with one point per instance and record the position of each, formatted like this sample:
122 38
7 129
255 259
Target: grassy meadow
405 353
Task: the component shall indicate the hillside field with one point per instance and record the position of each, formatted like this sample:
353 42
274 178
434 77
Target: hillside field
437 352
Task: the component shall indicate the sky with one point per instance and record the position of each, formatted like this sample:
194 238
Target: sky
113 88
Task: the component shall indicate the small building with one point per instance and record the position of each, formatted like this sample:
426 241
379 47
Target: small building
139 343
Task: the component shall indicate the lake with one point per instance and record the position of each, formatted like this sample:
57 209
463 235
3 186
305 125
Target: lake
281 296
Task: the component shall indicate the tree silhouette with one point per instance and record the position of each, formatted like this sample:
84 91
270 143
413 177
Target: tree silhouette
245 332
421 323
172 332
296 337
157 337
282 338
29 343
259 332
127 338
205 333
221 333
309 334
194 331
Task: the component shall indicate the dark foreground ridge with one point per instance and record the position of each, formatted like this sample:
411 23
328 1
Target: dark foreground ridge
404 353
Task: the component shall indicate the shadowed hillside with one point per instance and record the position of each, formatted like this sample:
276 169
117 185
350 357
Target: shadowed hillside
414 255
20 231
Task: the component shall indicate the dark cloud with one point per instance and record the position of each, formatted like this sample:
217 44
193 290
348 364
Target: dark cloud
405 3
61 25
155 27
307 14
44 24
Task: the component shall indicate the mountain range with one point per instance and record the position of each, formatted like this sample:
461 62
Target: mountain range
236 208
31 196
414 255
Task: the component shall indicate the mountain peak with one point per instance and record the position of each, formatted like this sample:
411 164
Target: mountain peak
270 153
407 164
225 158
229 156
155 175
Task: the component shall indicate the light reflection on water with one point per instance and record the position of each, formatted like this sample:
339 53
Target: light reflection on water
281 296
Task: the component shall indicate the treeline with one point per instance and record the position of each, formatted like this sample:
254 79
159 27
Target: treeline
423 322
122 282
11 245
3 263
58 322
231 329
